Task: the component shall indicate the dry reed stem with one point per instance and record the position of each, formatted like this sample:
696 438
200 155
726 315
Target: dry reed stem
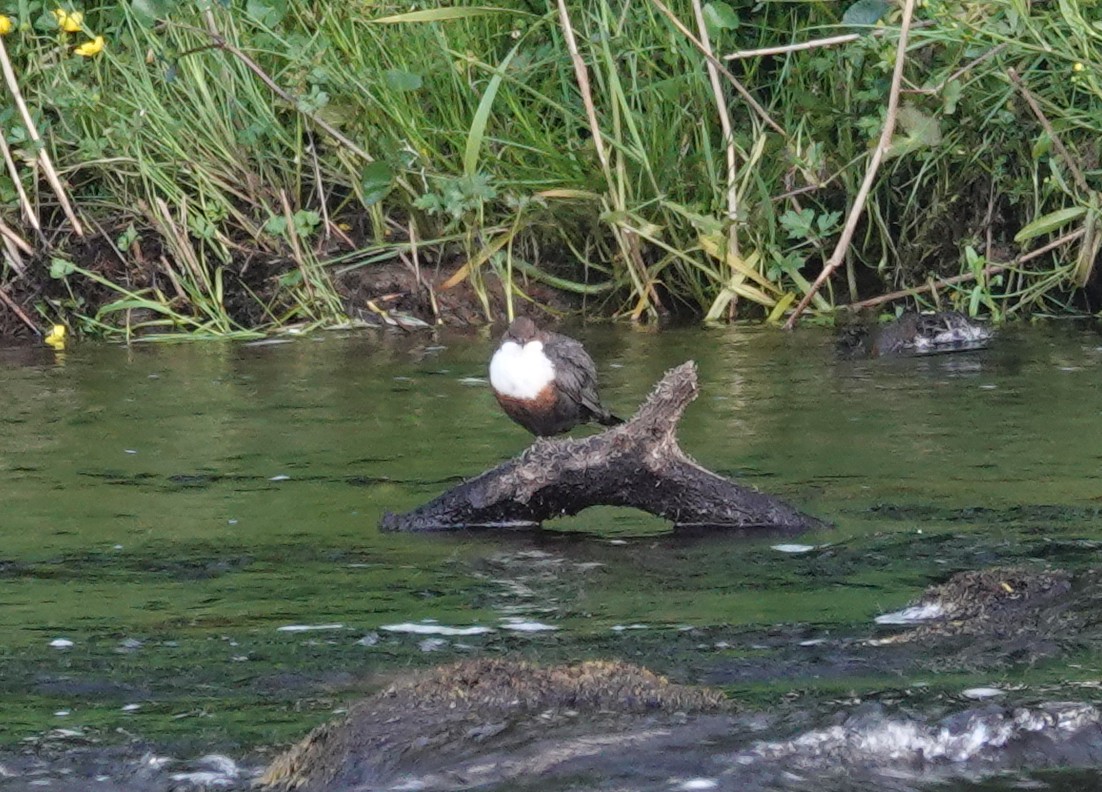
296 247
990 269
170 273
32 133
185 256
728 134
18 241
626 237
741 89
8 301
13 171
13 245
413 263
11 253
319 186
582 76
858 207
829 41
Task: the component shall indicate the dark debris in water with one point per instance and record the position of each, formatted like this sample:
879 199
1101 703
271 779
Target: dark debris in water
1054 514
1001 616
95 565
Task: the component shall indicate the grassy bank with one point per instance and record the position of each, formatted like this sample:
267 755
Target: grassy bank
281 162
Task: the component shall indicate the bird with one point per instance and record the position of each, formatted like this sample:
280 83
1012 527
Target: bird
546 382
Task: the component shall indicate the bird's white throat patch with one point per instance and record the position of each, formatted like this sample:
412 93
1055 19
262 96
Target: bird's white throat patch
521 372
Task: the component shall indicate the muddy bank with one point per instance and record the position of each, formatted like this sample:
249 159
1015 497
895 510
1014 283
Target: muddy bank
395 293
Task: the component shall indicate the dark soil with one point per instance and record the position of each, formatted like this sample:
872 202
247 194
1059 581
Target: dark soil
395 292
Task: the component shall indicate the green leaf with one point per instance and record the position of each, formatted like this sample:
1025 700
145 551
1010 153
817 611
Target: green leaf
430 202
147 12
974 260
951 96
127 238
797 224
719 17
443 15
276 225
306 222
1050 222
402 81
1041 146
290 278
920 131
923 128
827 222
135 303
865 13
482 116
60 268
377 180
267 12
707 225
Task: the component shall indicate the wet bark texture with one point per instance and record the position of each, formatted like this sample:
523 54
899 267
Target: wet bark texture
636 464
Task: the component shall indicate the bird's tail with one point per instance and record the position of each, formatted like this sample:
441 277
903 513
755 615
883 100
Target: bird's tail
608 419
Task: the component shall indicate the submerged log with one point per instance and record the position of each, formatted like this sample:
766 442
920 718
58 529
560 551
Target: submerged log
637 464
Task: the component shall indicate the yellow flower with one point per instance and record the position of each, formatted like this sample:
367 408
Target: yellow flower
69 21
56 337
1078 67
90 48
5 25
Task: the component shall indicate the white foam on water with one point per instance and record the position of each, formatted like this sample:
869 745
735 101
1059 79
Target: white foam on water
522 625
433 628
695 784
891 740
916 613
981 693
793 548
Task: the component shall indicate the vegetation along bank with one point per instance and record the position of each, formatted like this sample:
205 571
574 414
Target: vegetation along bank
237 168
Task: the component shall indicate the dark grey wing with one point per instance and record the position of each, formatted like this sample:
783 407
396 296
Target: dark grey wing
575 372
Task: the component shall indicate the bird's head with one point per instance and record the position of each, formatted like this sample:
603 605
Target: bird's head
522 330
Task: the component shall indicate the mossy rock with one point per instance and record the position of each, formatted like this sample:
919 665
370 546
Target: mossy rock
439 720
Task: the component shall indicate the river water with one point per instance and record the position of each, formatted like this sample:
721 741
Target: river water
190 560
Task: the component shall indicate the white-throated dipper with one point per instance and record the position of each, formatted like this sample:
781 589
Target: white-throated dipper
546 382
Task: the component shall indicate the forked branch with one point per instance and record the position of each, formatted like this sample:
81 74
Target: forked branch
637 464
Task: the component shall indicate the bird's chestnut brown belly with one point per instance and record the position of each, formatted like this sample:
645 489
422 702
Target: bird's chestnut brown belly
546 414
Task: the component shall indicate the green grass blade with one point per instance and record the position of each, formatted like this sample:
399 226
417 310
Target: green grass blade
482 116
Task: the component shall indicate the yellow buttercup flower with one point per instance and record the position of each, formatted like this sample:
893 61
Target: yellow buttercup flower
69 21
1078 67
56 337
90 48
5 25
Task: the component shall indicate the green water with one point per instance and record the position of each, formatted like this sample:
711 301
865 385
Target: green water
169 508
